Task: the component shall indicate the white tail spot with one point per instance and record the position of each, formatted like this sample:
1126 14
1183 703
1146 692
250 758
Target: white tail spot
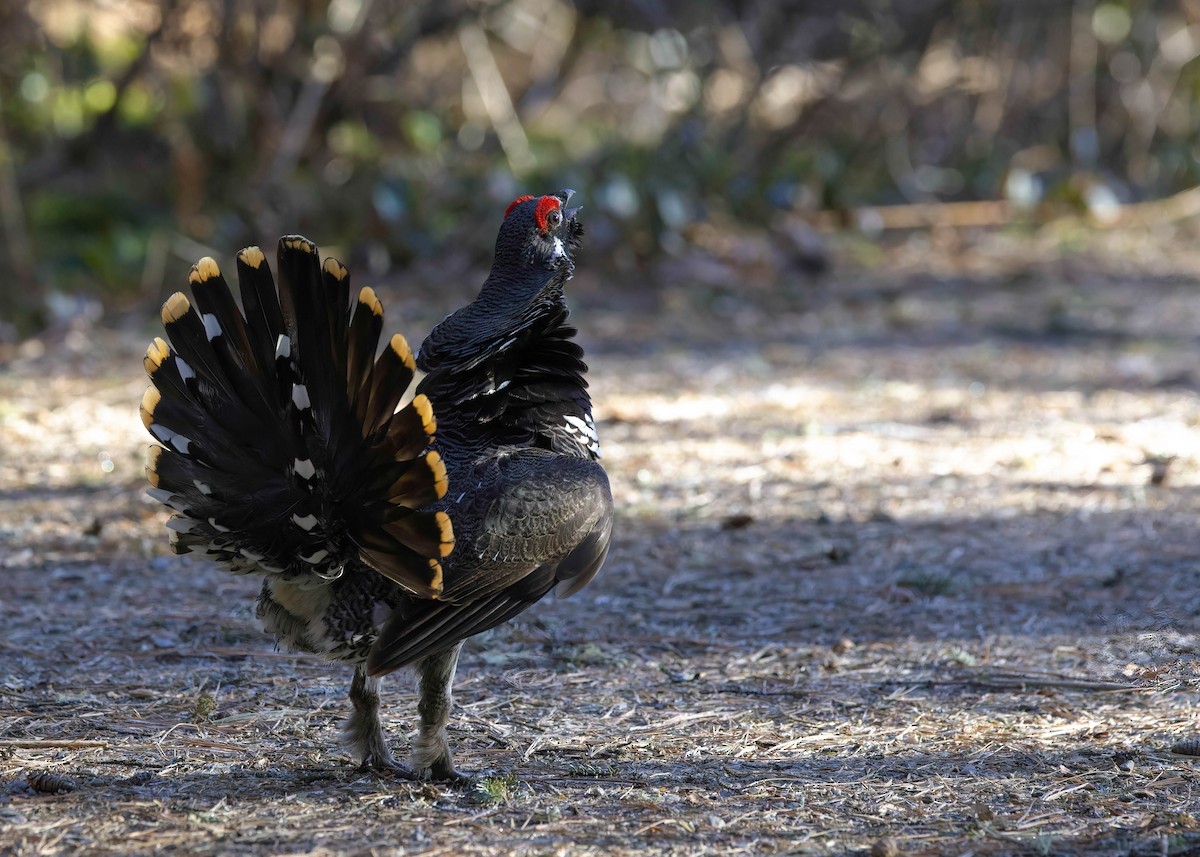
304 468
178 441
167 498
306 523
185 371
283 347
300 397
315 557
212 327
202 487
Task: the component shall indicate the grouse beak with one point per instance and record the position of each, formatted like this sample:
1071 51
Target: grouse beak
571 229
568 213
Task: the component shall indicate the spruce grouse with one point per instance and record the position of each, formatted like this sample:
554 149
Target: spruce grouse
393 505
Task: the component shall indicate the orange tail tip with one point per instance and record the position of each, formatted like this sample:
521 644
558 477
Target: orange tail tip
153 453
367 296
399 345
150 400
335 269
176 307
447 529
298 242
203 271
422 406
156 354
435 582
438 468
252 256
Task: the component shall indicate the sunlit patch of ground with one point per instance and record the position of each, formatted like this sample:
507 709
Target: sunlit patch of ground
906 564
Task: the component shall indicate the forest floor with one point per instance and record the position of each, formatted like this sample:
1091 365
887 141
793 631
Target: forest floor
906 563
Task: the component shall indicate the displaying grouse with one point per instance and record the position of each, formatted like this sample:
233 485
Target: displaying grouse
394 505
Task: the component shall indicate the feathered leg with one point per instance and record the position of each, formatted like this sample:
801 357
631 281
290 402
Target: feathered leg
431 752
363 732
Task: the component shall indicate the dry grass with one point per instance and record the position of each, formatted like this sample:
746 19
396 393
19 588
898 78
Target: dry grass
897 574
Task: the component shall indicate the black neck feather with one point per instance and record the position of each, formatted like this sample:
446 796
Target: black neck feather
511 387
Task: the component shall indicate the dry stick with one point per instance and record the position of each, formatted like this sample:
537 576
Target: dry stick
1161 79
299 126
154 271
305 109
1081 84
12 215
994 680
496 100
257 654
992 105
1001 680
995 213
50 743
553 45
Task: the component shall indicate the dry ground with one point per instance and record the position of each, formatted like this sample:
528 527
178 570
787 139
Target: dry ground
904 566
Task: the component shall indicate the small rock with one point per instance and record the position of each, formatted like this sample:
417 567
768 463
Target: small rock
842 646
885 847
1187 747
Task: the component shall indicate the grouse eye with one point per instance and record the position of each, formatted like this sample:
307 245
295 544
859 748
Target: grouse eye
547 207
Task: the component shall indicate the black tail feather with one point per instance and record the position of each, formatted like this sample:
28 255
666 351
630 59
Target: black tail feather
188 338
305 315
365 326
281 452
264 321
389 379
163 369
422 483
229 338
335 281
404 428
213 298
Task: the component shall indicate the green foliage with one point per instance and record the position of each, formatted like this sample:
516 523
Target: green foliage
94 243
496 789
929 582
397 130
203 708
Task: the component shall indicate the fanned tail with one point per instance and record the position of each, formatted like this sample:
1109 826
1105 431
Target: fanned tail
282 447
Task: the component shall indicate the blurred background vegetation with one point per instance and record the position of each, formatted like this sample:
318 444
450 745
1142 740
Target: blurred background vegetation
136 135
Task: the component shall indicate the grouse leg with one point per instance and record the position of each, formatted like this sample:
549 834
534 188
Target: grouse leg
364 732
431 751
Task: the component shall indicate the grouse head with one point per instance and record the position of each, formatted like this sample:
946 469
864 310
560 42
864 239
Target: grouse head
538 235
523 293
